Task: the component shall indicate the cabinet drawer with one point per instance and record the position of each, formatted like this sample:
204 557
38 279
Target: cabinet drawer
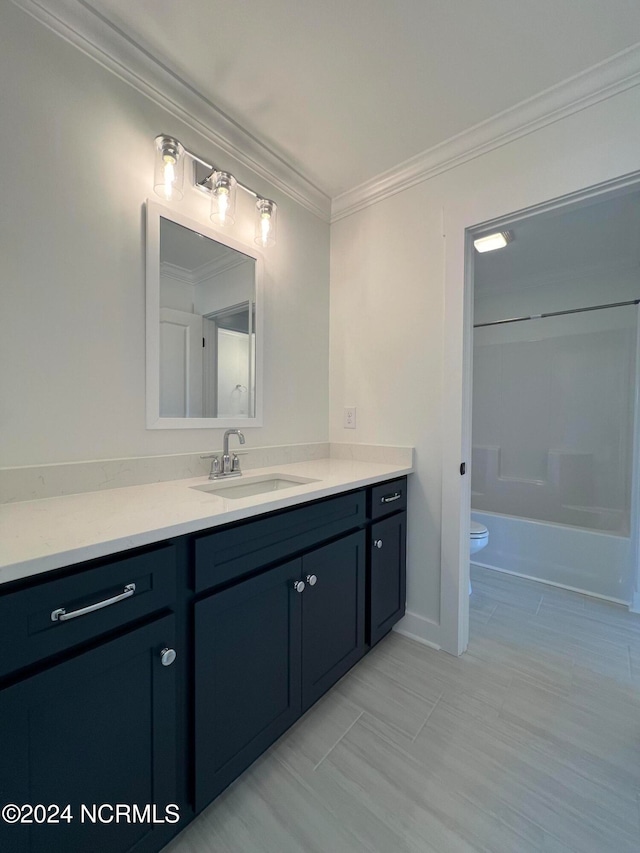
29 634
236 551
388 497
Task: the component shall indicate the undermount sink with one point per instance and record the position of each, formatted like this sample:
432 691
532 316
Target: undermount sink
244 487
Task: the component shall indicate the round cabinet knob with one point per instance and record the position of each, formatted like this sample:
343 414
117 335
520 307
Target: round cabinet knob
167 656
312 580
298 586
377 543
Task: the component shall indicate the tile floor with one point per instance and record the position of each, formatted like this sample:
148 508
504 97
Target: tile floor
528 742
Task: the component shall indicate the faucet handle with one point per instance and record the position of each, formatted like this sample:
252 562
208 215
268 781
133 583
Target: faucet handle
235 463
215 464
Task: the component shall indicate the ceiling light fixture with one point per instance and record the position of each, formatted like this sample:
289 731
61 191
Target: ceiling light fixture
493 241
221 186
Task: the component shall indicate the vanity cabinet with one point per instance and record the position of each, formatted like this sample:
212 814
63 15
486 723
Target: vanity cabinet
265 615
266 649
96 727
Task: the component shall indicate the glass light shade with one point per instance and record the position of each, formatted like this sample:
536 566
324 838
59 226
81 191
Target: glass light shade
266 222
223 198
168 180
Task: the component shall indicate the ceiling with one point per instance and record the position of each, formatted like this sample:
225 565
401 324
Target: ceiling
343 90
601 234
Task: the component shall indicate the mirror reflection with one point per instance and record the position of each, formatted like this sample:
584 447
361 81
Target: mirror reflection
207 327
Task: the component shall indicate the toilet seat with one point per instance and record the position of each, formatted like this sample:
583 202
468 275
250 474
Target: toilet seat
477 530
478 537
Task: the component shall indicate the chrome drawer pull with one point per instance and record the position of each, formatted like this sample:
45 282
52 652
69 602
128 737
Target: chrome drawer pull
387 499
61 615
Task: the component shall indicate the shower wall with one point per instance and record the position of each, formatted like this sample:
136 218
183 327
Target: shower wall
553 419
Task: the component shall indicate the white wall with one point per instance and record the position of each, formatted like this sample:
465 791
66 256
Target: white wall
386 355
77 169
397 318
176 294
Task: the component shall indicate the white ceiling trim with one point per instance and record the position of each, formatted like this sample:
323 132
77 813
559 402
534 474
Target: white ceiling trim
85 28
604 80
204 273
173 271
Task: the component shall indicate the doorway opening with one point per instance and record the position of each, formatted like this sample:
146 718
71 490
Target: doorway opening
553 387
229 363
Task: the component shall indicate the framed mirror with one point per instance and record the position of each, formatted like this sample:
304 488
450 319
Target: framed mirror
204 326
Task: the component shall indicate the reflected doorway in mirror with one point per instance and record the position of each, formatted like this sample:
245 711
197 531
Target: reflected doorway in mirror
204 325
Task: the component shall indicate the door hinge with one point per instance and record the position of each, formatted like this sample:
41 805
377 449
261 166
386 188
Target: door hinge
203 343
463 469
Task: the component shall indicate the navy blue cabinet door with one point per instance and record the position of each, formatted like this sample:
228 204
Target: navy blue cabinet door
333 614
388 574
96 730
247 674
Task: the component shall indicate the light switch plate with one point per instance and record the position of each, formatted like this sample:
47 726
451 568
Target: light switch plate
349 420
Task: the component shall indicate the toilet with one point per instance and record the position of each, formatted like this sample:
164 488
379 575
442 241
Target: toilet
478 538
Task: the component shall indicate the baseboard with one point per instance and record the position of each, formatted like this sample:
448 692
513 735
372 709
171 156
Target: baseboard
419 628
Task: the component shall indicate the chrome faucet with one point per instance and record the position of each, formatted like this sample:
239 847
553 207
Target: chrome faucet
230 466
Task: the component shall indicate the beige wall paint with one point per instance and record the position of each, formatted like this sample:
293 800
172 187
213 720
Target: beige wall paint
77 169
396 316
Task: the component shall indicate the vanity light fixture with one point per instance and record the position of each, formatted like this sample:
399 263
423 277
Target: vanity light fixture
221 186
169 171
493 241
266 222
223 198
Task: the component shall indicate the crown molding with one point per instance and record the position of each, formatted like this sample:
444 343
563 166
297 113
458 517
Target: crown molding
598 83
204 273
218 266
81 25
175 272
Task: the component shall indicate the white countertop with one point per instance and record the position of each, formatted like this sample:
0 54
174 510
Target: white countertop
41 535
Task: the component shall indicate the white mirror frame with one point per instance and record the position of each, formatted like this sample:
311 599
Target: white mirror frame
154 421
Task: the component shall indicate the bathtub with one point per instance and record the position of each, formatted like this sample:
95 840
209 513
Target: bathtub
575 558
